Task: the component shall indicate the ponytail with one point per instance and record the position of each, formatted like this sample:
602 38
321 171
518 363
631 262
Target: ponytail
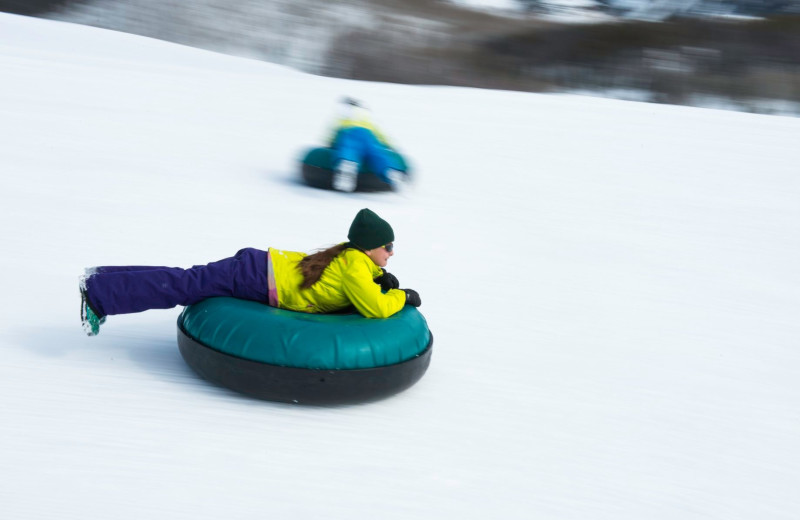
313 265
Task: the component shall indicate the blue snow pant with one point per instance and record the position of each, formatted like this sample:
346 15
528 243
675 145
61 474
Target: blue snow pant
362 147
126 289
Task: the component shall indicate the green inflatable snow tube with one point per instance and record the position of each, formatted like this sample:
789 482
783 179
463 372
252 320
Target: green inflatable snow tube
282 355
318 165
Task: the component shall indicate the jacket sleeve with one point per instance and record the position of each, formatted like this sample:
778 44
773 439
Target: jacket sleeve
366 295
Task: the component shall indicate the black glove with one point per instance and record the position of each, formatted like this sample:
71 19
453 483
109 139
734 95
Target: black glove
412 297
387 280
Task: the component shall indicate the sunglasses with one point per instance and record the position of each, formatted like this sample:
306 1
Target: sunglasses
389 247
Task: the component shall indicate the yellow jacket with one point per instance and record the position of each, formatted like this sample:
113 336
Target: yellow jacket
348 280
345 123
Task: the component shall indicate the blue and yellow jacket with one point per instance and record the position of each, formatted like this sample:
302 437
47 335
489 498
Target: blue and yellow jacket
357 122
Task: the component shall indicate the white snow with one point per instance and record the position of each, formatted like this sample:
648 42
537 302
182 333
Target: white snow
613 288
560 11
510 5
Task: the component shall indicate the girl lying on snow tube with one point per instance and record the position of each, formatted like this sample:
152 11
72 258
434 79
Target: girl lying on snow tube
358 156
348 275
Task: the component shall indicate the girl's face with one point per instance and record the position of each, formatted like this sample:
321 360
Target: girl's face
381 255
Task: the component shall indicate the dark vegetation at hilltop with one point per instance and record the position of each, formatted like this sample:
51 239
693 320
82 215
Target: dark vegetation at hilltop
31 7
674 60
437 43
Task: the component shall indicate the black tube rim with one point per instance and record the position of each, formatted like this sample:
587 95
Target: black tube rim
301 385
323 178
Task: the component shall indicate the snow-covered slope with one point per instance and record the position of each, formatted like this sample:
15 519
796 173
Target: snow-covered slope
613 288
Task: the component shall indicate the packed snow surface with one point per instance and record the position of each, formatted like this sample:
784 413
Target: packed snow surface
613 288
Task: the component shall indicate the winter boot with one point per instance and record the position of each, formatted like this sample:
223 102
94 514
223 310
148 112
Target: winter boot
90 321
345 177
397 179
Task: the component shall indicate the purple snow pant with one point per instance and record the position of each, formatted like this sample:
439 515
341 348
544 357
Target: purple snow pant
127 289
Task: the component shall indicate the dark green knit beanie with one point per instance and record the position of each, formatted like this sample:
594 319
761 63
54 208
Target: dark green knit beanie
369 231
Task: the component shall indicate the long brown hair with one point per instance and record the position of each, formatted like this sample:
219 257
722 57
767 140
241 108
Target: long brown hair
314 264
